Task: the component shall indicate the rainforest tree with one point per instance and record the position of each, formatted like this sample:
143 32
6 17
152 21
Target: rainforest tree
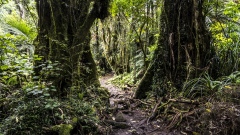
184 50
63 41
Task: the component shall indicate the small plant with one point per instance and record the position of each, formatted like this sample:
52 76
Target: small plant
202 86
16 64
232 78
205 85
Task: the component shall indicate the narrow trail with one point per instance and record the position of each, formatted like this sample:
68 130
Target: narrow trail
128 117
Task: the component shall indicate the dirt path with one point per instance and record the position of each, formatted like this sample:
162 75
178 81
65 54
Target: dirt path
127 117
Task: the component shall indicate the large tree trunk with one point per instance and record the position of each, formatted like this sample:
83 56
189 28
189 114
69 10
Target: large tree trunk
63 39
184 48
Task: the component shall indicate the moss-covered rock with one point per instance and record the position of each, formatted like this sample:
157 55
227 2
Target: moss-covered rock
62 129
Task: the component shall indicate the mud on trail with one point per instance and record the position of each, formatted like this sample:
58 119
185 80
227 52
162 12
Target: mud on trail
129 116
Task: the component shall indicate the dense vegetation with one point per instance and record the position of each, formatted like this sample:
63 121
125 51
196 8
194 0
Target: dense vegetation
180 59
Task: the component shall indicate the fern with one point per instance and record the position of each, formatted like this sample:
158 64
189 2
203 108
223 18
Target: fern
20 27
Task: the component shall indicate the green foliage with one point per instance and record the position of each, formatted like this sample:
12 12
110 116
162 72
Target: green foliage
123 79
16 64
126 6
20 27
224 17
3 2
152 49
16 37
11 22
232 78
63 129
127 35
30 104
49 69
205 85
202 86
32 111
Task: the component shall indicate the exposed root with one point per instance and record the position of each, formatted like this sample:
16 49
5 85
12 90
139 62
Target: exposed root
155 110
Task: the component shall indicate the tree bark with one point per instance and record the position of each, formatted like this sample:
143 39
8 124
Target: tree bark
64 38
183 50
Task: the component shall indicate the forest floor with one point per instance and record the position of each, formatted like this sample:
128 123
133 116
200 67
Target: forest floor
130 116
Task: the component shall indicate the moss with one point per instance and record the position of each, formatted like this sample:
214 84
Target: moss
74 121
145 83
63 129
103 94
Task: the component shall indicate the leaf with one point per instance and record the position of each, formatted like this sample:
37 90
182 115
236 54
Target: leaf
47 106
5 77
12 80
208 110
4 67
228 87
80 95
35 77
50 67
53 89
46 94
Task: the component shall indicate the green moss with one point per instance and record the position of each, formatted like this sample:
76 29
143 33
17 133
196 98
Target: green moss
63 129
103 94
74 121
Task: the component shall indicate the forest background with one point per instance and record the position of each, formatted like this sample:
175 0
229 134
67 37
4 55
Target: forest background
183 56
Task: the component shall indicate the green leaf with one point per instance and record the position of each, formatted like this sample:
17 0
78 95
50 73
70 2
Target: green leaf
4 67
49 66
53 89
5 77
46 94
47 106
80 95
35 77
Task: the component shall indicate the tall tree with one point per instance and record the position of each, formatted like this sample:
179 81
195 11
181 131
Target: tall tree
63 40
183 50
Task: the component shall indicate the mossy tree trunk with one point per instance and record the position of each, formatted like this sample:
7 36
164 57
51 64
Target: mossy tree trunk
63 41
183 50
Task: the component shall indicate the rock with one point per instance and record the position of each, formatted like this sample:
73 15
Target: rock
120 117
115 124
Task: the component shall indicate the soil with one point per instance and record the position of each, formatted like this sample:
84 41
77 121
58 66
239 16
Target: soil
130 116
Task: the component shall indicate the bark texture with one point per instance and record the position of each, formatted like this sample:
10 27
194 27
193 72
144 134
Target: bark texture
184 48
63 40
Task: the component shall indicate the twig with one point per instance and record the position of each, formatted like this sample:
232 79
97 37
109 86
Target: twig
142 102
185 101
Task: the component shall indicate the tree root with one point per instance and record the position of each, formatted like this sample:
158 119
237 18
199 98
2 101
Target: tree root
155 110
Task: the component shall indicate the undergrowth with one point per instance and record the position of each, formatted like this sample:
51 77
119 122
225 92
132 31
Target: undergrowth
205 106
35 112
123 79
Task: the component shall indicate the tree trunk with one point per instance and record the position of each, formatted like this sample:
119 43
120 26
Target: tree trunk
183 51
63 41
